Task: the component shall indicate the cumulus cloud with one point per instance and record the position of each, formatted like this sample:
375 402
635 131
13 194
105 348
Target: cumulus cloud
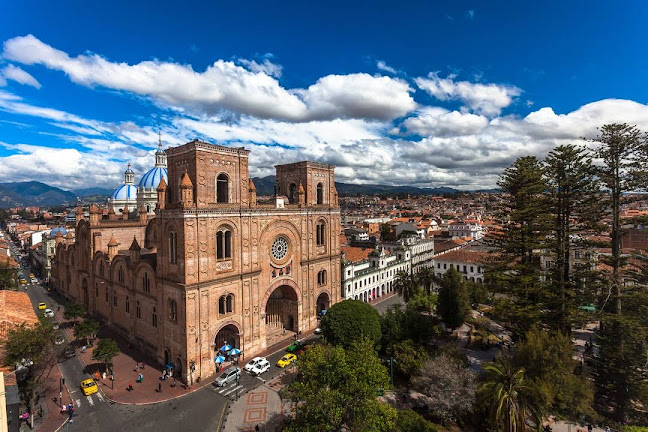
266 67
15 73
226 86
486 99
435 121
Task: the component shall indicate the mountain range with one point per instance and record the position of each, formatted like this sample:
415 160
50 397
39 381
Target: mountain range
35 193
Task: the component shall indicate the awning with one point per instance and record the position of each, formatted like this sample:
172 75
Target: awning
219 359
226 347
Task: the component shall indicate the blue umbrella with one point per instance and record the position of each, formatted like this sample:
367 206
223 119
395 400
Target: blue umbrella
235 351
226 347
219 359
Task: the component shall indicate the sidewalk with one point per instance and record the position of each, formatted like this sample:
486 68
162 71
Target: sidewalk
262 406
124 366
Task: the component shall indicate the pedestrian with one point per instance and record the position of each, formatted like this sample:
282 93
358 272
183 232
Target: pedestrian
174 383
136 366
607 428
83 349
71 414
590 428
130 386
143 364
160 387
256 428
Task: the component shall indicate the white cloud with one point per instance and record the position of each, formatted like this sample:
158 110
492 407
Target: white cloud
486 99
266 67
226 86
15 73
435 121
385 67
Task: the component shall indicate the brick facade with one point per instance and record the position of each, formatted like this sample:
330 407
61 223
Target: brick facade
202 271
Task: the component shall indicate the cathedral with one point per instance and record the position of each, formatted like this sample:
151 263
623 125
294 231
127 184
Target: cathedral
210 264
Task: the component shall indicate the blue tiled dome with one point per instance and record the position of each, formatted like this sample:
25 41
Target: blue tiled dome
125 192
56 230
152 178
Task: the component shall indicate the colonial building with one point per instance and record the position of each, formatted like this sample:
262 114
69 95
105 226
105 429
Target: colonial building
213 265
369 276
421 251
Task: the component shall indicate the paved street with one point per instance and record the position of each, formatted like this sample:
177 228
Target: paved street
387 303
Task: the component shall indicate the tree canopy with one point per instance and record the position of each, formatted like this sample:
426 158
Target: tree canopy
453 303
105 351
350 321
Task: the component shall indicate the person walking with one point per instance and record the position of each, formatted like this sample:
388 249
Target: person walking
130 386
160 387
590 428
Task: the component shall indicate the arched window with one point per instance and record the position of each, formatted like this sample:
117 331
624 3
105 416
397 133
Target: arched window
224 244
138 309
154 317
292 193
127 305
320 193
173 310
120 275
321 277
115 299
101 268
97 290
229 303
321 233
221 305
173 247
146 283
222 192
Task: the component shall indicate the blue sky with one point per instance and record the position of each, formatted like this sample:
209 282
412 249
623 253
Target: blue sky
421 93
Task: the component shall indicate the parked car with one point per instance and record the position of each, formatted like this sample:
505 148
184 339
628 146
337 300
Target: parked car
49 313
34 280
230 375
69 353
259 368
318 331
286 360
42 306
59 340
255 361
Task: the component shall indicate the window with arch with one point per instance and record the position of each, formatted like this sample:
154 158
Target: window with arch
224 244
226 304
320 193
138 309
173 247
127 305
106 294
292 193
120 275
146 283
222 188
173 310
154 317
115 299
101 268
321 277
321 233
97 290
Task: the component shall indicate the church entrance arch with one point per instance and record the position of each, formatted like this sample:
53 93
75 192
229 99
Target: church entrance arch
323 302
228 334
281 313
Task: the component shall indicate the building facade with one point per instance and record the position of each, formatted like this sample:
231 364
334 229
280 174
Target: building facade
373 277
213 265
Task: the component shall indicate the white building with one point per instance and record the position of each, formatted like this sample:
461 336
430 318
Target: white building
473 230
467 262
371 278
421 251
147 186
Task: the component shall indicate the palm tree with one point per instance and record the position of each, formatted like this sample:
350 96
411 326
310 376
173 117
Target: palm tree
503 388
426 278
406 285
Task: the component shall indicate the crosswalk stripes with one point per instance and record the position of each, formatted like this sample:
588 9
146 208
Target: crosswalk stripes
100 397
90 400
227 393
78 402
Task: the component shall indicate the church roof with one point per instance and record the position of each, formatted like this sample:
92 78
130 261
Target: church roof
125 192
112 241
58 231
152 178
134 245
162 186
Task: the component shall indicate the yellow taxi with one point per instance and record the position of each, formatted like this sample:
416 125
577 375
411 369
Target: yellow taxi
23 282
31 275
89 387
42 306
286 360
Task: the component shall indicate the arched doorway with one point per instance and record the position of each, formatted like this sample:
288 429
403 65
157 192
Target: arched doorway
167 357
228 334
281 314
323 302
